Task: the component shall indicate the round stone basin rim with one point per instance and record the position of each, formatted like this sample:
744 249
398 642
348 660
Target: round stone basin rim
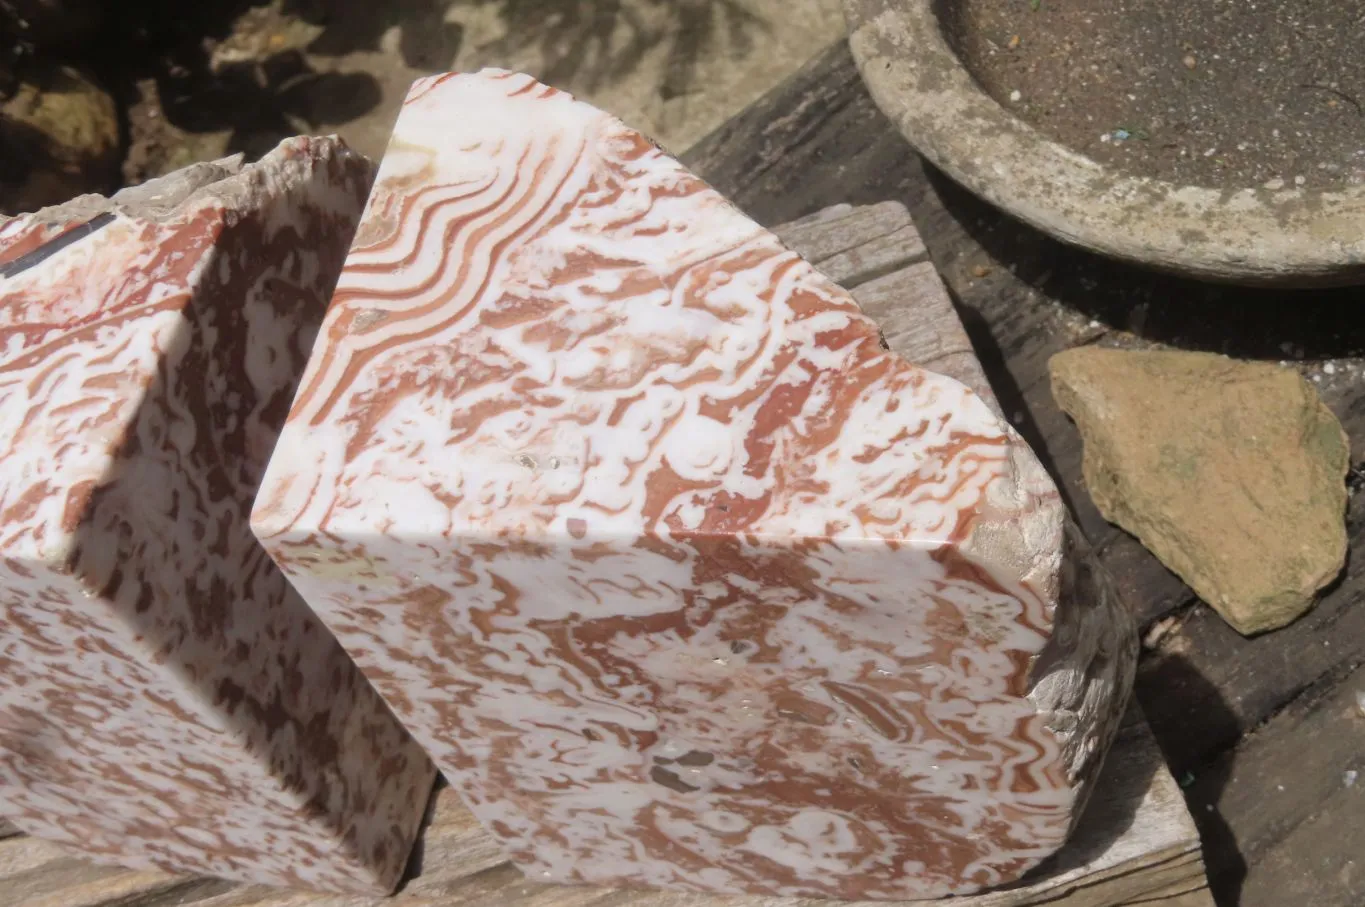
1249 235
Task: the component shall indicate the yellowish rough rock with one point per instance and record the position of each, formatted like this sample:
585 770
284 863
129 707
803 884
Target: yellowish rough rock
1232 473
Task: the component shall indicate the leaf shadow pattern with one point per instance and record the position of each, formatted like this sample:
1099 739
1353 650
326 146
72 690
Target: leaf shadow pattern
581 44
264 101
426 40
258 98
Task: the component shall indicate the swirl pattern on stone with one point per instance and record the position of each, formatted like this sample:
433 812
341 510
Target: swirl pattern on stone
679 575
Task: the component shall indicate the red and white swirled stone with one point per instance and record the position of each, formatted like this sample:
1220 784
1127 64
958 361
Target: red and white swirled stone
166 700
679 575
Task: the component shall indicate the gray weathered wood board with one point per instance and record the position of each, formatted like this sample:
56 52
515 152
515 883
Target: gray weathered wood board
1210 695
1136 842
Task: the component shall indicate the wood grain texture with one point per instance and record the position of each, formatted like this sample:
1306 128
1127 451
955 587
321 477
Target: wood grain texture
1208 693
1285 798
1136 842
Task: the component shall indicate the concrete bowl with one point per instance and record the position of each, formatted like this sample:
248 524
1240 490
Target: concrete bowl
1292 236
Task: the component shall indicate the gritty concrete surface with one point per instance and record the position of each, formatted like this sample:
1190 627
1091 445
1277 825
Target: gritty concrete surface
1257 235
675 69
1213 93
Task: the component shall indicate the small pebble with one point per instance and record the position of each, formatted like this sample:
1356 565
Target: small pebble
1015 95
1329 368
1349 777
1189 61
1299 181
981 270
1360 702
1014 42
1158 632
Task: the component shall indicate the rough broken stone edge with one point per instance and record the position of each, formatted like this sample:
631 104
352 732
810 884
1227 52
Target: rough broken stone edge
1081 680
156 199
164 198
1251 235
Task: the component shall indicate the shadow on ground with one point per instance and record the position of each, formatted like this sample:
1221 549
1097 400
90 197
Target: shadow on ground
426 39
1246 322
261 71
587 43
260 100
1171 678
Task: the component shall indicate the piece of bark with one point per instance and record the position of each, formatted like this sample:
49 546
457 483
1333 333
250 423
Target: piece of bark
1233 473
681 577
166 700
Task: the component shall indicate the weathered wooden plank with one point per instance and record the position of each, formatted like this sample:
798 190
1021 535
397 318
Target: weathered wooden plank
145 889
1199 897
821 119
21 854
844 229
1136 841
858 245
1309 866
940 344
1275 810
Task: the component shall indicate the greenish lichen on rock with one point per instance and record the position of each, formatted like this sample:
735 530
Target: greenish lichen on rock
1232 473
